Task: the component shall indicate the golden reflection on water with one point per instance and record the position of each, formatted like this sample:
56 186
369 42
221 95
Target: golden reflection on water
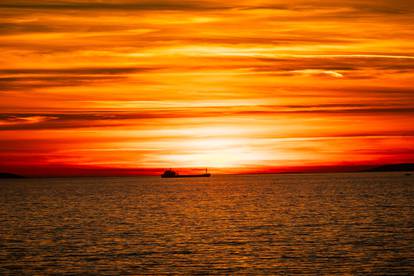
342 224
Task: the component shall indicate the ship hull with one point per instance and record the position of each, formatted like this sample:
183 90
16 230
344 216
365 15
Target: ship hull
186 175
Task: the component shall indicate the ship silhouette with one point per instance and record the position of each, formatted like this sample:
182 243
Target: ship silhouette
173 174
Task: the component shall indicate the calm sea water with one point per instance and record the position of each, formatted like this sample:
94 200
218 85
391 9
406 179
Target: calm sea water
327 224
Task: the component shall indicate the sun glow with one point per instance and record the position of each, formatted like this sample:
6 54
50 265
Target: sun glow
216 153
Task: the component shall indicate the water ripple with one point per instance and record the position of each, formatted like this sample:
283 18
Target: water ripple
333 224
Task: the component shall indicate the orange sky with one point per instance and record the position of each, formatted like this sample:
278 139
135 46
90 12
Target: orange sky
236 86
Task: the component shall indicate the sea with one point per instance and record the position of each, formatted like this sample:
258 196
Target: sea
281 224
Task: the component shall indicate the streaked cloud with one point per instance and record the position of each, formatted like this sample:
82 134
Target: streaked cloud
157 5
317 72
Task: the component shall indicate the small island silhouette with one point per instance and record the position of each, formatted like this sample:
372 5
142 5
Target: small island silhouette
10 175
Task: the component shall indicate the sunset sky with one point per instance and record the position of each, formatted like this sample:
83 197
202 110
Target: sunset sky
131 87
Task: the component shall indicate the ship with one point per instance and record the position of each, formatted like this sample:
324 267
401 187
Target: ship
173 174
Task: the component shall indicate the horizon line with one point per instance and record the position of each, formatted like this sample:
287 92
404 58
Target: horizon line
65 172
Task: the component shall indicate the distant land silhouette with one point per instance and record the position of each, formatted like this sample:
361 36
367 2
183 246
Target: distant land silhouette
10 175
392 168
402 167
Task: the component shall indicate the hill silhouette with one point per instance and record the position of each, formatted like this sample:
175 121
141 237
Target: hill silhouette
392 168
